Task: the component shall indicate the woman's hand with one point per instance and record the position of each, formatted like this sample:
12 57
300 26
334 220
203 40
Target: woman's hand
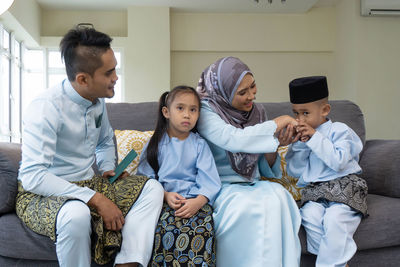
283 121
173 199
191 206
288 136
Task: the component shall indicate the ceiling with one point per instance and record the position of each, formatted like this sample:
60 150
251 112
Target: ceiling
215 6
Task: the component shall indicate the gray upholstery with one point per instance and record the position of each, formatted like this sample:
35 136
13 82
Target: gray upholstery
378 236
9 162
380 162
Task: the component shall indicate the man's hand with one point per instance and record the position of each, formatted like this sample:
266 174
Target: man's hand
108 174
173 199
191 206
111 214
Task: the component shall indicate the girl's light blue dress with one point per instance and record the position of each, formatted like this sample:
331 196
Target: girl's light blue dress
257 223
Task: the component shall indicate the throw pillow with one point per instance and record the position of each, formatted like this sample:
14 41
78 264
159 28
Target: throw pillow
128 140
286 181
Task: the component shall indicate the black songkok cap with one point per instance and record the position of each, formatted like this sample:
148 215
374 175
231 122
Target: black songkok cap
308 89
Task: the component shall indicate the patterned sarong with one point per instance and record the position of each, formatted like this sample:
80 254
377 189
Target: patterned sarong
39 213
184 242
350 190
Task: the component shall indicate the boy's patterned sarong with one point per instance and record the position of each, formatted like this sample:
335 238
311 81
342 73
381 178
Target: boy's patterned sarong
39 213
184 242
350 190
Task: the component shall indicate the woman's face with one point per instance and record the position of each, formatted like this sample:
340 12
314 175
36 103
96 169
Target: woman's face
245 94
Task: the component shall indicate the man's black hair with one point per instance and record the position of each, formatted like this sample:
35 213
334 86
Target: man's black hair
82 48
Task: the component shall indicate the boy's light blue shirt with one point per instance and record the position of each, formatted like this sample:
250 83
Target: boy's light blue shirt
62 132
187 167
332 152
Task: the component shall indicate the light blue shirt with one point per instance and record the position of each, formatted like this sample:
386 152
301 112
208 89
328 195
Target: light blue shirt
332 152
187 167
223 137
62 132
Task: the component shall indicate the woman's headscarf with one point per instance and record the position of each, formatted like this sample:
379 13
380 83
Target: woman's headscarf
217 85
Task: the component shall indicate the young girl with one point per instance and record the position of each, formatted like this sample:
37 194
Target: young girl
183 163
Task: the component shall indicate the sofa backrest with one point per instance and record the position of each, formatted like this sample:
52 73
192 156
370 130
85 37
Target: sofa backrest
143 116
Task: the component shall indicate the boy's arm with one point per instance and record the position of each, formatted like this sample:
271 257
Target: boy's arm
337 150
297 158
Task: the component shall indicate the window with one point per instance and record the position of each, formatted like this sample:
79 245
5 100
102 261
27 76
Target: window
25 73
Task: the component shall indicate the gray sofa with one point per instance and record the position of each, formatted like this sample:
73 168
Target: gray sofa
378 236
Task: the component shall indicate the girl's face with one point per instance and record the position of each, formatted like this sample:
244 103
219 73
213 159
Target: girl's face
182 115
245 94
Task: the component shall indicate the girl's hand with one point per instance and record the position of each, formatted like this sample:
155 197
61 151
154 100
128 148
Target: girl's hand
173 199
191 206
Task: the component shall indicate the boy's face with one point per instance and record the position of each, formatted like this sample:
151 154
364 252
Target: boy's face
313 113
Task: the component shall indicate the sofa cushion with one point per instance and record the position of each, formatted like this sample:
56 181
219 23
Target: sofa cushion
128 140
287 181
10 156
381 228
380 162
18 241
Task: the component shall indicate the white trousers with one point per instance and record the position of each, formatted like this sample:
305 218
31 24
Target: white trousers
73 230
330 227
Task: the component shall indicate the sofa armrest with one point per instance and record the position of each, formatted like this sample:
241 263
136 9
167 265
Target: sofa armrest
380 162
10 156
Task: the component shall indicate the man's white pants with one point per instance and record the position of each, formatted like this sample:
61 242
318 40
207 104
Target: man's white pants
74 230
330 227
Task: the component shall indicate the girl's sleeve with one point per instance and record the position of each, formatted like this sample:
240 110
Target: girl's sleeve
208 182
252 139
144 167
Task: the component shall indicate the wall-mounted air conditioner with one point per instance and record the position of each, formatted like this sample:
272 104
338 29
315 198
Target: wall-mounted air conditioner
380 7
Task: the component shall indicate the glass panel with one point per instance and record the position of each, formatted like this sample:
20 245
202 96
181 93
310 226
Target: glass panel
55 60
17 52
118 58
117 90
6 40
15 105
33 59
32 85
56 78
4 99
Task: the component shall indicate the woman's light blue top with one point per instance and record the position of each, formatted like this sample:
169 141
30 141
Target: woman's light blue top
223 137
62 133
332 152
187 167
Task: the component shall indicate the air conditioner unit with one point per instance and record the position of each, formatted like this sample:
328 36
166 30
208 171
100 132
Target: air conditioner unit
380 7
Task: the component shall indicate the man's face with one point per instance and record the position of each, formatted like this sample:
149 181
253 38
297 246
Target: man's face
102 83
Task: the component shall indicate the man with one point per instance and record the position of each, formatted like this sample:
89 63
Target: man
59 195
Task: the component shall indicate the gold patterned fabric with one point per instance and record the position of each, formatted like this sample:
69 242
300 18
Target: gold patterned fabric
180 242
287 181
39 213
128 140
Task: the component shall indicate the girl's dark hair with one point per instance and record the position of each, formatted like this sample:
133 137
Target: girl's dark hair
82 48
162 124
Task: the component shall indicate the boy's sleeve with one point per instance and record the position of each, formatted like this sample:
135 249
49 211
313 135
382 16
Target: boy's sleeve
297 158
338 150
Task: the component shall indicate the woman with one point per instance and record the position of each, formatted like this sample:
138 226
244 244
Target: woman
256 222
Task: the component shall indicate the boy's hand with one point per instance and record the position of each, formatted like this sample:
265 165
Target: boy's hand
173 199
191 206
305 130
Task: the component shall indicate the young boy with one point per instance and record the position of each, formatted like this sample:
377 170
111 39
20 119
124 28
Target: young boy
325 158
